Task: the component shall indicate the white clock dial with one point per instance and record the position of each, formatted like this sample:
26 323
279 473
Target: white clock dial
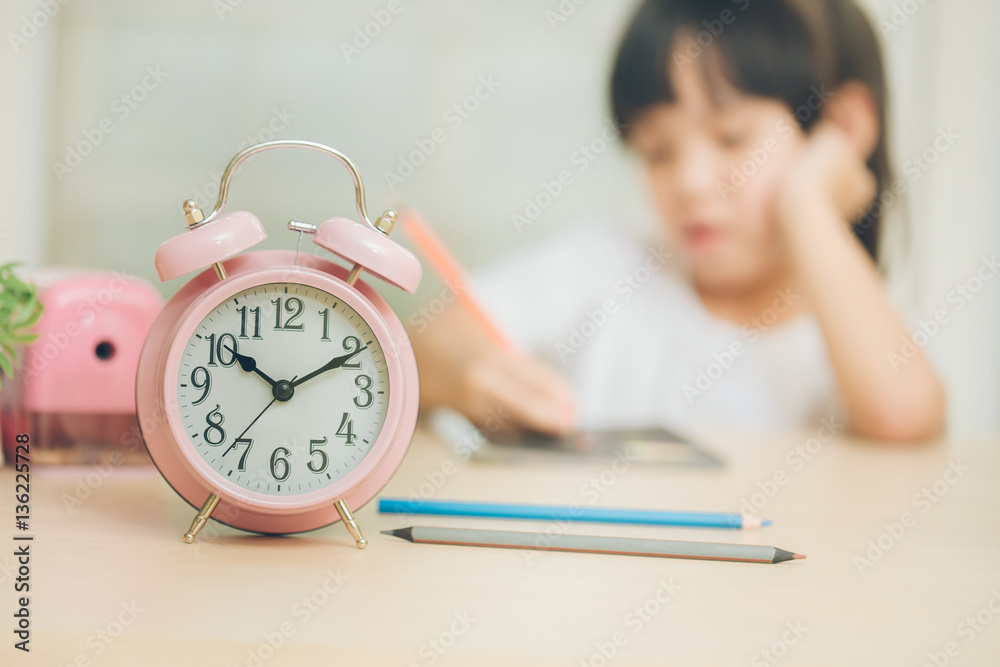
283 389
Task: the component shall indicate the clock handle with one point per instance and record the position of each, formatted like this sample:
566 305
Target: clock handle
352 526
227 175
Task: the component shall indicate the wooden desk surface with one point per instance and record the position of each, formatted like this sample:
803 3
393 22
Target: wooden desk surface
113 584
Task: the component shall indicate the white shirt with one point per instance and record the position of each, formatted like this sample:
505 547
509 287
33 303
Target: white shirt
640 349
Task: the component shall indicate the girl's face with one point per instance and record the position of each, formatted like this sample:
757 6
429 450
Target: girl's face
715 164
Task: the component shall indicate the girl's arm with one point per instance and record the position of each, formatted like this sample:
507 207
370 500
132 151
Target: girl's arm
863 333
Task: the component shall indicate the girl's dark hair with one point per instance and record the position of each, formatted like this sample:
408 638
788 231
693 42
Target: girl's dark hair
796 51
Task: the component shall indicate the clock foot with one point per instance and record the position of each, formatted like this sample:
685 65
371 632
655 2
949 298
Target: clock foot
351 524
201 518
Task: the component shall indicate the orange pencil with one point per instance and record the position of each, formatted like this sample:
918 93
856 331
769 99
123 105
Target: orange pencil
449 270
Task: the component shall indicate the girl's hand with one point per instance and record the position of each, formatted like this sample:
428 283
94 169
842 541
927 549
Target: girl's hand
505 391
827 188
499 390
829 172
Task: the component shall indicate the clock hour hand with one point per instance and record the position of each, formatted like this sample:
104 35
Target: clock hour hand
249 365
334 363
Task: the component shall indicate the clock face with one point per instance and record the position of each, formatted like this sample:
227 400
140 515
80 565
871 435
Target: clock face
283 389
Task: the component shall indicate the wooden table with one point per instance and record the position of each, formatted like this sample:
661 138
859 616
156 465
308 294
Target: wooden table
113 584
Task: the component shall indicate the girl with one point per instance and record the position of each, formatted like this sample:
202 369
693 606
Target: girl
761 128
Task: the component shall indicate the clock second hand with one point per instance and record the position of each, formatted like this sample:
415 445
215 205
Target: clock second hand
233 446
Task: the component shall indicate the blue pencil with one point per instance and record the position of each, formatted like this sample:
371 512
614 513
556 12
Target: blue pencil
568 513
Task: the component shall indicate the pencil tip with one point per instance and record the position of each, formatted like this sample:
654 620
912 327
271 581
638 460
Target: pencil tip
780 555
404 533
797 556
765 522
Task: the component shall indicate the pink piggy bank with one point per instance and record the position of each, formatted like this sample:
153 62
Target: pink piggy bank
74 391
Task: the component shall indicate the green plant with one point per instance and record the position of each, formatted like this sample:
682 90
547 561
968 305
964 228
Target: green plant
19 311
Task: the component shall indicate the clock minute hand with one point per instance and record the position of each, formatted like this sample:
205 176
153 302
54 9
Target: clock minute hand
249 365
334 363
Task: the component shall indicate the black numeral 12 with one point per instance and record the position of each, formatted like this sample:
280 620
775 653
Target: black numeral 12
293 306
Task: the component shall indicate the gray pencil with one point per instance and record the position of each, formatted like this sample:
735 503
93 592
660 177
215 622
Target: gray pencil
623 546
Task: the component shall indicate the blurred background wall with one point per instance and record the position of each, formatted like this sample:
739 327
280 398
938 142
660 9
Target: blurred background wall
115 111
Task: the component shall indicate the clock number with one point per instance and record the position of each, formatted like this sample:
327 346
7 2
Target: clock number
243 459
364 383
324 460
242 310
352 344
205 384
218 345
293 306
346 430
278 457
325 314
215 426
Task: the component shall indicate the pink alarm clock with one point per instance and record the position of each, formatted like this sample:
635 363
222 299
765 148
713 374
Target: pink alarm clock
276 390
